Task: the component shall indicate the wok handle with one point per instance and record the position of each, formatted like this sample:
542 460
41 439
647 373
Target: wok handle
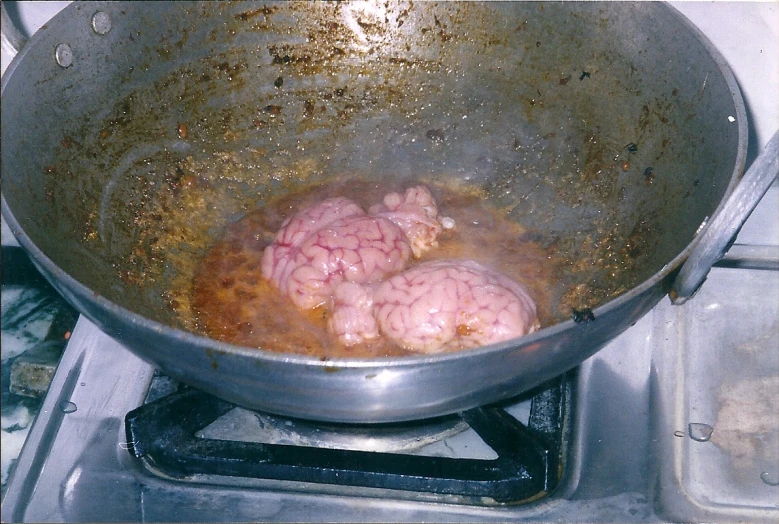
12 39
717 238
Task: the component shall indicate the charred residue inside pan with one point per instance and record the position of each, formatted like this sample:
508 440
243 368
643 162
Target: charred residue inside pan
533 110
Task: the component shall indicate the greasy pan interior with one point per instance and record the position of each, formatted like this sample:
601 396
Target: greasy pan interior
608 130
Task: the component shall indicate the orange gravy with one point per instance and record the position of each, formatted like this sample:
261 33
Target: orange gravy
233 303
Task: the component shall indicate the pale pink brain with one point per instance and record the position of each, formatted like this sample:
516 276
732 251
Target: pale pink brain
335 241
452 305
334 254
296 229
416 213
354 249
352 320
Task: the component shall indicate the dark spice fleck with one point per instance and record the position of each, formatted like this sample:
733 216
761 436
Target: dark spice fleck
308 108
582 315
565 80
265 10
278 82
273 110
585 74
632 148
436 135
538 44
649 175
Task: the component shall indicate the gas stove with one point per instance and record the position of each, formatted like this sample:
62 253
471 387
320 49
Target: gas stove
655 433
674 420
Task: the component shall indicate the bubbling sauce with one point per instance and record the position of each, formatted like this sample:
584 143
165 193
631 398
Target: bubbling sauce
233 303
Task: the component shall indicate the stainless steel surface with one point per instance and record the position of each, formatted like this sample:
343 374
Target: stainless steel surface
751 257
12 39
242 425
707 112
98 465
713 373
631 460
721 231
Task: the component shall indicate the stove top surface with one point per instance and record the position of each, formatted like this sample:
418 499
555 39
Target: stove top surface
657 434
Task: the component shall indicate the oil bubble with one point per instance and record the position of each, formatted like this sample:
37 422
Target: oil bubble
700 432
766 478
67 407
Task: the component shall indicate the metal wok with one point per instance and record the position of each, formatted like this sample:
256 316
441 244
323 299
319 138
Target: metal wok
617 123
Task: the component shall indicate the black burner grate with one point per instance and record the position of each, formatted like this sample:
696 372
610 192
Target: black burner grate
528 459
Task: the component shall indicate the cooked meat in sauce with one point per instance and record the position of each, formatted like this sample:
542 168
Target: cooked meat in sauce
322 255
355 248
352 318
434 307
336 241
452 304
416 213
314 273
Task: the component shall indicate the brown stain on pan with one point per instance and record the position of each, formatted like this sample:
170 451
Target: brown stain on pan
168 205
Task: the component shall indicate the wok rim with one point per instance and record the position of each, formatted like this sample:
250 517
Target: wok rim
196 341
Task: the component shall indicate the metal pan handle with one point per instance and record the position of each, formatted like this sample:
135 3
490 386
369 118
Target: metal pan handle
718 236
12 39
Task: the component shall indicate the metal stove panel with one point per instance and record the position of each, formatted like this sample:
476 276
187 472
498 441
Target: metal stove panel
717 376
76 458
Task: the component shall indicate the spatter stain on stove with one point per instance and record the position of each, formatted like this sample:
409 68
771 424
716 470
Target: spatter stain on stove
747 427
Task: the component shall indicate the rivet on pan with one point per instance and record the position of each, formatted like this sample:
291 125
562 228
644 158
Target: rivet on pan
63 54
101 22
